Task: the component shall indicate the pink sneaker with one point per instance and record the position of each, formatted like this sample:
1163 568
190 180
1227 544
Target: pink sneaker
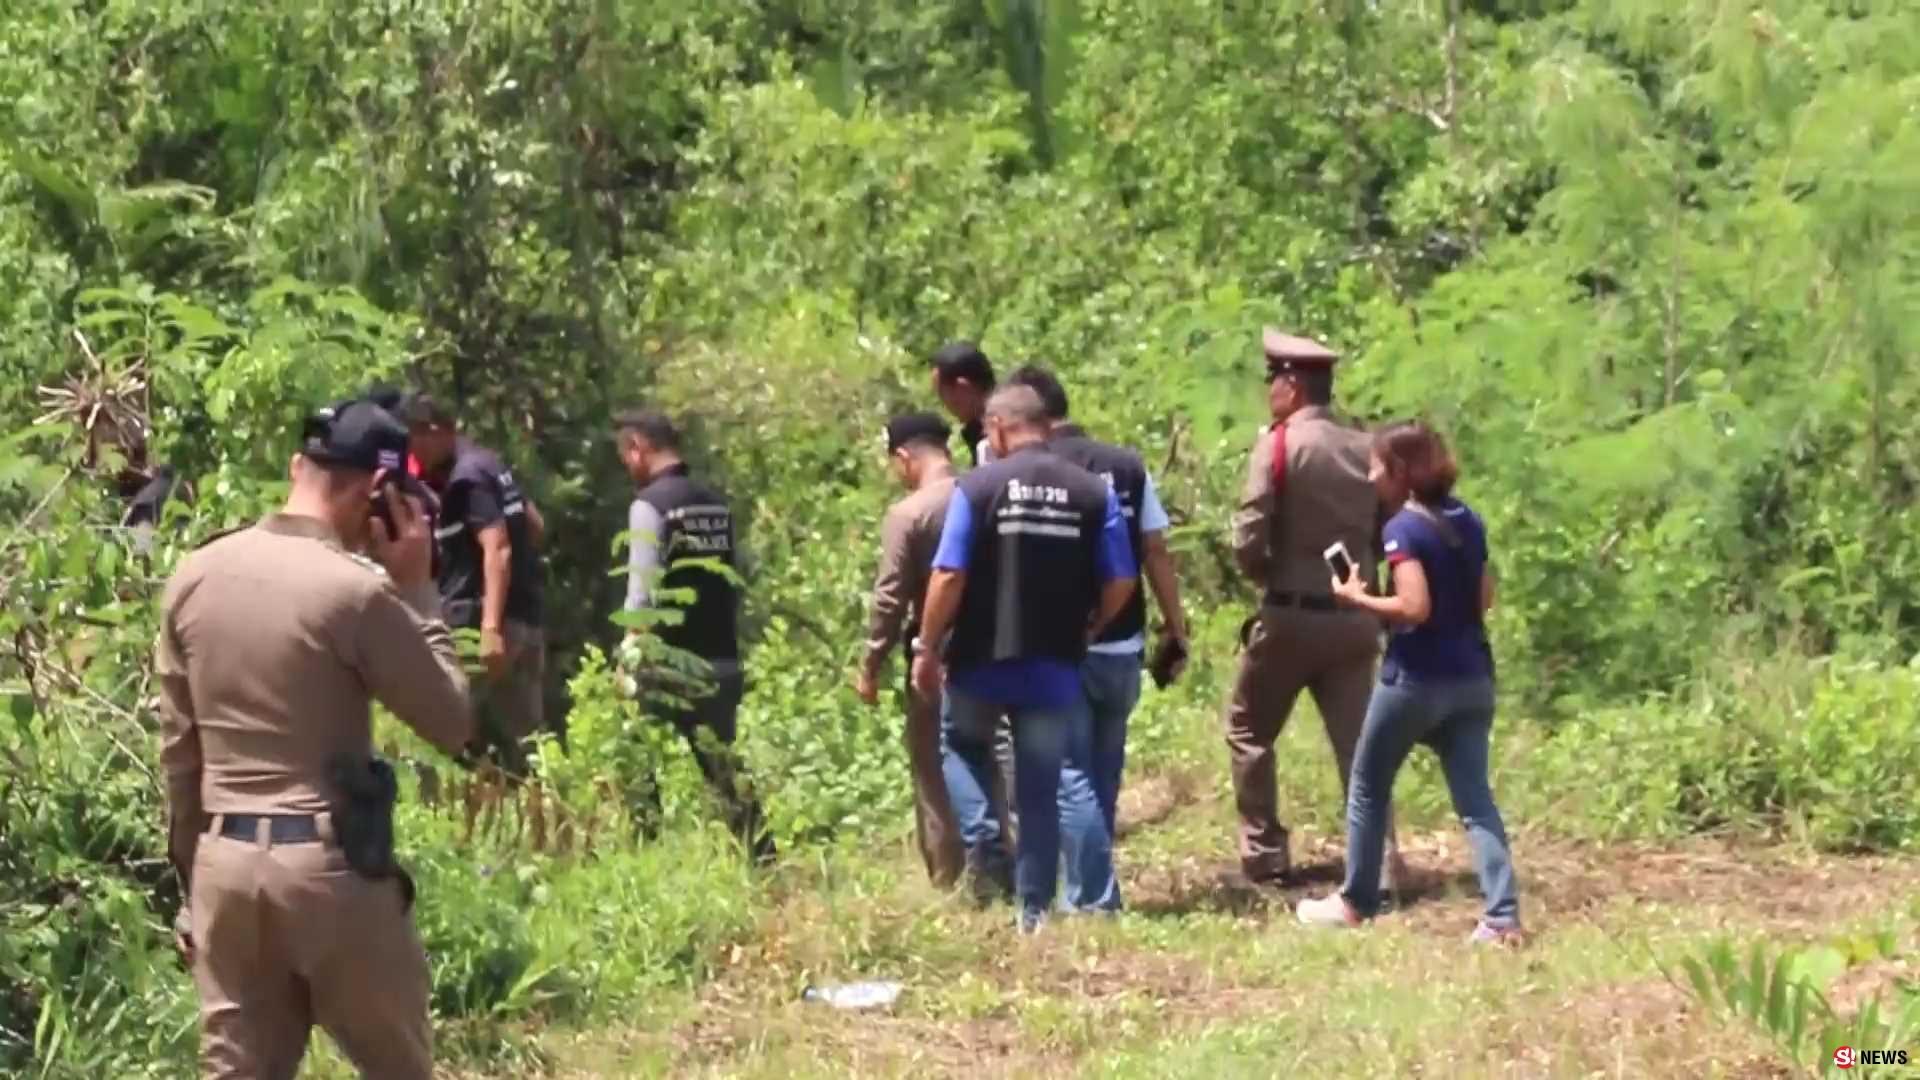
1330 910
1507 937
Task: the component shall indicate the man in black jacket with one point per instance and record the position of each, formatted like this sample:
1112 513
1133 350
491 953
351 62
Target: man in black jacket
674 518
963 377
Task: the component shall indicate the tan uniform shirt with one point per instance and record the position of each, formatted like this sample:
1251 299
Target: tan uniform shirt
271 641
909 537
1279 536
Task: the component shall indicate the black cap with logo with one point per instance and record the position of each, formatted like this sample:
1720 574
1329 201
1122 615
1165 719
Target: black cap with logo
355 434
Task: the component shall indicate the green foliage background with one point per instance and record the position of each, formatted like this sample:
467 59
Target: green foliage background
1653 266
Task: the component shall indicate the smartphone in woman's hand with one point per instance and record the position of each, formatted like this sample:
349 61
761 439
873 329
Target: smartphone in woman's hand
1338 561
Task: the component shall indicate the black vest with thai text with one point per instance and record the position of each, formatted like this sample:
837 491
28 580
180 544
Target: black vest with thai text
696 523
1123 469
1031 574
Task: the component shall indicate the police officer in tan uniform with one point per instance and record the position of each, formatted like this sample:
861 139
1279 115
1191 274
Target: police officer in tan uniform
271 639
909 535
1306 488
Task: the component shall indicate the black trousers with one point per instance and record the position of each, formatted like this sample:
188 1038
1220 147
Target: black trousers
709 725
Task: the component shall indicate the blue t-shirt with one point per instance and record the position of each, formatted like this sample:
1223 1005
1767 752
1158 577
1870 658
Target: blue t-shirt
1451 644
1037 682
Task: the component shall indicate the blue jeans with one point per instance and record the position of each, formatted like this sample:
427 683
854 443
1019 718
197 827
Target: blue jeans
1055 810
1455 719
1111 683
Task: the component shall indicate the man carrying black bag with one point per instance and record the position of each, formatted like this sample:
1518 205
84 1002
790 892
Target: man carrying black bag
272 638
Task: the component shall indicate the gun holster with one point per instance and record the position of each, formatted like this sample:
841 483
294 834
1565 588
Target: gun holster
364 791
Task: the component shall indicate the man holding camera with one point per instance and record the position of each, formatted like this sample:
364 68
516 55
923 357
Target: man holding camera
272 639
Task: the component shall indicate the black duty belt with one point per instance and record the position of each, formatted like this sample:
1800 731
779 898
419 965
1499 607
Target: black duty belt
281 828
1303 601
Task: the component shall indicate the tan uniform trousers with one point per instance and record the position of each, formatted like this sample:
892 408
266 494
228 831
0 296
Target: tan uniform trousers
287 936
935 828
508 710
1331 655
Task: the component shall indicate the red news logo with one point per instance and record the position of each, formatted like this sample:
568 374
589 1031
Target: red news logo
1847 1057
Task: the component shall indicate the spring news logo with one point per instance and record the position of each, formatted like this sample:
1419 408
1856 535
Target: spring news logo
1847 1057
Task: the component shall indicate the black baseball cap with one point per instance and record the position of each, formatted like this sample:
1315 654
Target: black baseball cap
387 396
354 434
963 360
902 430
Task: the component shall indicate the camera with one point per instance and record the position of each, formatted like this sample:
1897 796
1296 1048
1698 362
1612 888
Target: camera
391 480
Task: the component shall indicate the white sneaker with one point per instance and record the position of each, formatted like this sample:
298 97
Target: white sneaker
1331 910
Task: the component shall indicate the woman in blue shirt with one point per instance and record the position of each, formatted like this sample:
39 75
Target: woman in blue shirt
1436 681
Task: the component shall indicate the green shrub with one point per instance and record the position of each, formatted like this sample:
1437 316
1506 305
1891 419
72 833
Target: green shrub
1789 746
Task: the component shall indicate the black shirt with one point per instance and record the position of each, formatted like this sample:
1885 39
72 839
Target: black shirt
145 507
479 492
972 432
1123 469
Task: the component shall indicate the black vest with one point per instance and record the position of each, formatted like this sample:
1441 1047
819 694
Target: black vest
695 523
1031 581
1123 469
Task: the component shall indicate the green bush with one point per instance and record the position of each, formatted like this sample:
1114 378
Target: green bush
1789 747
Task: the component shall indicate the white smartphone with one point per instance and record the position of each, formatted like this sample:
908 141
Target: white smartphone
1338 560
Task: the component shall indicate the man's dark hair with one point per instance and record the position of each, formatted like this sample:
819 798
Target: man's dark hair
964 360
917 432
651 425
925 444
1042 382
1316 385
388 397
421 409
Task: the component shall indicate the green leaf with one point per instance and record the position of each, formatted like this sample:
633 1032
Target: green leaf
279 289
1697 976
1818 967
62 185
1776 1009
1804 576
1754 989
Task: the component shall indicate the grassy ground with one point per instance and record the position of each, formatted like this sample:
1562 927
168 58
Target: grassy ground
1206 976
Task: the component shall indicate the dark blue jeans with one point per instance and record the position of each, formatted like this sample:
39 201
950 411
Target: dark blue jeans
1111 682
1056 811
1456 720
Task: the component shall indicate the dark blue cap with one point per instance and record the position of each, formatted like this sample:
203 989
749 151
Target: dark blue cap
355 434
